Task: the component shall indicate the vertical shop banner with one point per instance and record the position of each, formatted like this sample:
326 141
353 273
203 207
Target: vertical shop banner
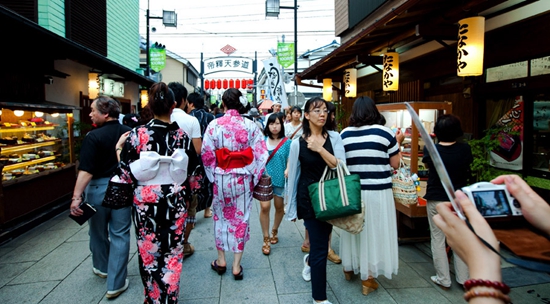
285 54
509 154
158 59
275 81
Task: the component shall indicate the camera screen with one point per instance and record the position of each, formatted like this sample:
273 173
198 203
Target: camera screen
491 203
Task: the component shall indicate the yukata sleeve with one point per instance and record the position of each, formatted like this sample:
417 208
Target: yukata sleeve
127 156
259 149
208 152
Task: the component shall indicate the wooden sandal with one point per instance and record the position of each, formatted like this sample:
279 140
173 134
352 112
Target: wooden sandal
266 248
274 238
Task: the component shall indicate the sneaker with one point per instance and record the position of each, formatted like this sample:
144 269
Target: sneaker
188 249
436 281
324 302
333 257
98 273
306 272
111 294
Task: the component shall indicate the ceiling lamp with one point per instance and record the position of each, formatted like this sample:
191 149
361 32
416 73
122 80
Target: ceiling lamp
93 85
327 89
144 98
350 82
55 115
390 72
470 46
38 114
18 113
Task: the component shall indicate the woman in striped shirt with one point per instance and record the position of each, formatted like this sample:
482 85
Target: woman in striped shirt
371 151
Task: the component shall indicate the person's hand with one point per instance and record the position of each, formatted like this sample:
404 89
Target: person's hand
75 209
122 140
482 262
535 210
286 173
314 145
399 136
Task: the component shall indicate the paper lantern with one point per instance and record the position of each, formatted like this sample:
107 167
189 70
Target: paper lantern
390 72
250 83
350 82
212 84
225 84
218 84
327 89
144 98
207 84
231 83
243 84
238 84
470 46
93 85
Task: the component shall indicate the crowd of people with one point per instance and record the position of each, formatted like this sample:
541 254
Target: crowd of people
216 159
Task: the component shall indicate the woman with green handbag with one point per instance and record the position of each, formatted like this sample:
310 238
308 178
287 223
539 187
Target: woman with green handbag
309 155
371 151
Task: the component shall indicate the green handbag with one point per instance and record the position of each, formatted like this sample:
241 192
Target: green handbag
336 196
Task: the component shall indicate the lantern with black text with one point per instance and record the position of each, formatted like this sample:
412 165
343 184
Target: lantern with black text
93 85
327 89
390 72
350 82
470 46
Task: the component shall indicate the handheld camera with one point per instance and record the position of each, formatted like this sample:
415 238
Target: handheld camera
492 200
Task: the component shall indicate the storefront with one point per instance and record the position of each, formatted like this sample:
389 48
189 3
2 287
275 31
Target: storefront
45 89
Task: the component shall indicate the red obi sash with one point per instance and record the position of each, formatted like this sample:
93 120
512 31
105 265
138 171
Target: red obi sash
234 159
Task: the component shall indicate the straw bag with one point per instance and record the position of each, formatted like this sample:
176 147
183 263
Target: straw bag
353 223
404 189
338 197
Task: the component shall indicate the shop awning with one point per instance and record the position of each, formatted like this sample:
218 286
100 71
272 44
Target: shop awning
28 45
413 23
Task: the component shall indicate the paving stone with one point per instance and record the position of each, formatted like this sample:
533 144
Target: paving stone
409 253
17 294
417 296
406 278
10 271
256 287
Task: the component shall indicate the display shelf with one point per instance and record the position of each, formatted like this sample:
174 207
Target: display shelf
24 147
27 129
28 163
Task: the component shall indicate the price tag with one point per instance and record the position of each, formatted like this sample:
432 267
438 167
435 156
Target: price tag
33 124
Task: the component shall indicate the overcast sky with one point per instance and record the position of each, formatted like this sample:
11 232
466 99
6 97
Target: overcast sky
208 25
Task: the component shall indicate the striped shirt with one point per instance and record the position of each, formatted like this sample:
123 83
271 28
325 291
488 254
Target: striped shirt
368 151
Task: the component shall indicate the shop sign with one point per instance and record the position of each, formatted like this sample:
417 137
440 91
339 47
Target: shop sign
285 54
508 71
109 87
540 66
229 63
158 59
118 90
275 81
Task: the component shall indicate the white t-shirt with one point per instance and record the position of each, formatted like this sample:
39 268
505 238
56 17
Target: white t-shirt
289 129
189 124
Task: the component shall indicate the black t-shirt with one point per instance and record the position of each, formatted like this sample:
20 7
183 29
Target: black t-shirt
97 155
312 168
457 159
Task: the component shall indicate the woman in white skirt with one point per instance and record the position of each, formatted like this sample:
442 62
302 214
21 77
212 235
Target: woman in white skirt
371 151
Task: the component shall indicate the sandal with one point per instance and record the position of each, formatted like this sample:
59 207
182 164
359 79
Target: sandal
274 238
239 276
219 269
266 248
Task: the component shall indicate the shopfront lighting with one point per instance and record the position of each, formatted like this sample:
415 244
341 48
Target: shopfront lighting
18 113
471 36
38 114
144 98
390 72
55 115
327 89
350 82
93 85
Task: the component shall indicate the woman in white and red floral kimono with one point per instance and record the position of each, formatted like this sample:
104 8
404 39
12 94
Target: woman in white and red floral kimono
160 195
234 156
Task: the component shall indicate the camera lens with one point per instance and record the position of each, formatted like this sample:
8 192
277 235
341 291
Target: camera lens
516 203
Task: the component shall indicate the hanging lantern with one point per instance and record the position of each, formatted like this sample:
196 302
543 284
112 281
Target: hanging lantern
243 84
212 84
238 84
350 82
250 83
144 98
225 84
390 72
470 46
218 84
231 83
93 85
327 89
207 84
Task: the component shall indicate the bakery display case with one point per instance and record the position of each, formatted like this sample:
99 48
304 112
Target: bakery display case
36 158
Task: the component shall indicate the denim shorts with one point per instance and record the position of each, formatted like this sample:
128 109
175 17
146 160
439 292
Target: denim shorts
279 191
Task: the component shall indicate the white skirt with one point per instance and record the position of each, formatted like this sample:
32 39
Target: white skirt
374 251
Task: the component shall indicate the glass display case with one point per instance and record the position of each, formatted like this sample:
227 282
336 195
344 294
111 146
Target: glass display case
32 142
541 138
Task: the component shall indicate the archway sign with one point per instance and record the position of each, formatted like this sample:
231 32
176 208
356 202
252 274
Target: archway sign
241 65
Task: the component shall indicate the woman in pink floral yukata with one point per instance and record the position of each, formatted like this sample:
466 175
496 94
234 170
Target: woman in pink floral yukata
234 156
156 157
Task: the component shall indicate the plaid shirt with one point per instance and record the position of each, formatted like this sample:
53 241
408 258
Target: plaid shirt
203 117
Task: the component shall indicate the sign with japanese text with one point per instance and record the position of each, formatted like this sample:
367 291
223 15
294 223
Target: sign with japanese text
285 54
158 59
275 81
228 63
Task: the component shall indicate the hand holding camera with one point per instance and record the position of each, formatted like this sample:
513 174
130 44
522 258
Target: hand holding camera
492 200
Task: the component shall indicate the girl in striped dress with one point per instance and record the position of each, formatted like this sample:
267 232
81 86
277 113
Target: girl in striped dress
371 151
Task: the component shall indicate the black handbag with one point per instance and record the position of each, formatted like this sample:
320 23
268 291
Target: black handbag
118 194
